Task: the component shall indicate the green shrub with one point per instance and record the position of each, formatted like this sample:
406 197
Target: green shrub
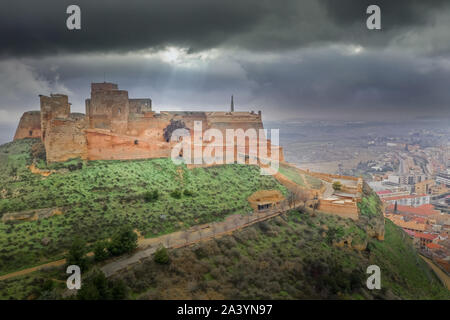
161 256
337 185
77 254
98 287
176 194
100 251
151 196
123 242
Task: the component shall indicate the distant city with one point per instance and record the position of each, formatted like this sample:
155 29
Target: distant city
406 164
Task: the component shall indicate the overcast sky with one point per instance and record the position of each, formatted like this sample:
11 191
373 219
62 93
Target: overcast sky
290 59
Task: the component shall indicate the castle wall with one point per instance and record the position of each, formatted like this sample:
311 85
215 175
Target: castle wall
345 210
140 106
55 106
103 145
29 126
66 139
116 127
148 128
103 86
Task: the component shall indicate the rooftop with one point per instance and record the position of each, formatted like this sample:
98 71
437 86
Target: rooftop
427 236
423 210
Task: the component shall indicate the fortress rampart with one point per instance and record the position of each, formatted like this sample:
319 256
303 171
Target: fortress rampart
29 126
117 127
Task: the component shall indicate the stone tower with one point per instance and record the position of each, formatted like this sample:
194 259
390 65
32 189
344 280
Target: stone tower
232 104
54 107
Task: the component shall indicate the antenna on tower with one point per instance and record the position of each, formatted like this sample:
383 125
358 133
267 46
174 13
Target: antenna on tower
232 103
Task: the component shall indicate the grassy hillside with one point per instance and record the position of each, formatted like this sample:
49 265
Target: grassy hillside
297 255
289 257
99 196
296 177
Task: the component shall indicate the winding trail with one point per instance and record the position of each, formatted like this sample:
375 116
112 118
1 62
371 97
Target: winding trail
445 279
56 263
191 236
146 247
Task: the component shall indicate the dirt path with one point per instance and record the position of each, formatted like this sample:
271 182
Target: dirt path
146 247
56 263
191 236
445 279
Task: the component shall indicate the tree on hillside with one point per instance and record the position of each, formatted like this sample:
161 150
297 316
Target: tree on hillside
291 199
100 251
77 254
337 185
303 196
123 242
161 256
151 196
97 287
13 171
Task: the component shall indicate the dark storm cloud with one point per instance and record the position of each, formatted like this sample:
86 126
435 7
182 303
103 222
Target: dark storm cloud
288 58
353 86
337 82
38 27
394 13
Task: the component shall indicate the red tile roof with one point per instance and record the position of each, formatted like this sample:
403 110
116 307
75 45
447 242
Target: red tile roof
427 236
384 192
432 245
420 220
423 210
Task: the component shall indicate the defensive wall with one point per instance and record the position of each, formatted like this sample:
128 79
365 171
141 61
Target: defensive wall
120 128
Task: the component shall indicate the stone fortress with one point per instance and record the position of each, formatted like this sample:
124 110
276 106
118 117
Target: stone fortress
116 127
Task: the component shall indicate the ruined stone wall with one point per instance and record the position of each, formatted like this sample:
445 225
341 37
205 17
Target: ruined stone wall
104 145
116 127
29 126
234 120
103 86
66 139
56 106
345 210
140 106
329 177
